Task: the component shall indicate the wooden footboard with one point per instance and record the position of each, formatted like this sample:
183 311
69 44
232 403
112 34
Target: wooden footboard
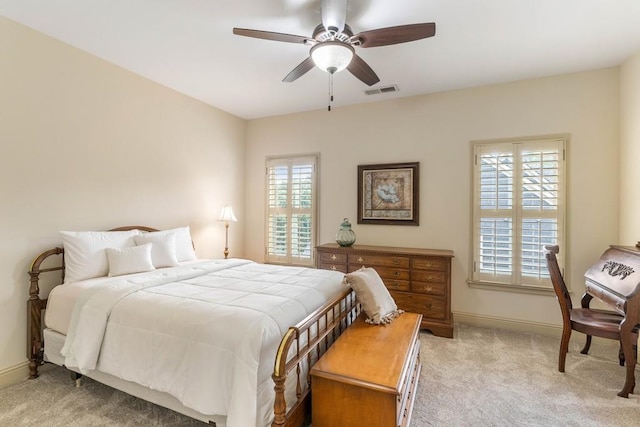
303 345
300 348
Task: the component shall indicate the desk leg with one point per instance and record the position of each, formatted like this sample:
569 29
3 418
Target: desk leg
626 327
585 301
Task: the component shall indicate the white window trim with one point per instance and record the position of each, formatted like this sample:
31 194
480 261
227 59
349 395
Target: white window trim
516 285
288 260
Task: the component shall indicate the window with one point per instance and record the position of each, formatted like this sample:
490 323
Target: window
291 210
518 207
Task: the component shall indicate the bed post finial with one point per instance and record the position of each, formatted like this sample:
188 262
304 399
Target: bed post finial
34 314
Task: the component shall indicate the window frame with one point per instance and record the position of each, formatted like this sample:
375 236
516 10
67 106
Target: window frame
291 160
515 281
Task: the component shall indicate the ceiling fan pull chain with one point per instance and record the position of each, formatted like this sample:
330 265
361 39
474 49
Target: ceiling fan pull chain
330 91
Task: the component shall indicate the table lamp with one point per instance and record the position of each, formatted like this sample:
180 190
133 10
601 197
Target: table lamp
227 216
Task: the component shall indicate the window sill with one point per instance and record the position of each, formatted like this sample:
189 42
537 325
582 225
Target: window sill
290 264
523 289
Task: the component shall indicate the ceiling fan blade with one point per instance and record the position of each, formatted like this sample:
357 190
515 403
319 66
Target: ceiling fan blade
334 15
300 70
362 71
395 35
269 35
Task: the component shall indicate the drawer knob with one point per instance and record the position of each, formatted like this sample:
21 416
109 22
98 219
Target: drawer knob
333 257
396 274
396 262
360 259
430 277
427 264
428 306
429 289
333 267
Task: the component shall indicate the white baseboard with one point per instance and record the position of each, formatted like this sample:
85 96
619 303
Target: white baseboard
13 374
509 324
519 326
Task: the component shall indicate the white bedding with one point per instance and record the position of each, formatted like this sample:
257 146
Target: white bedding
205 333
62 299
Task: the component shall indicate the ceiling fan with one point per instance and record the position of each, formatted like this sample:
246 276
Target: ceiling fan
332 43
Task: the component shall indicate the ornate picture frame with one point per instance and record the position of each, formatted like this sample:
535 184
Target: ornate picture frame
389 193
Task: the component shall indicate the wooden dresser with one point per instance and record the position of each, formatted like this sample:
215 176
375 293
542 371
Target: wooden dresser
369 376
418 279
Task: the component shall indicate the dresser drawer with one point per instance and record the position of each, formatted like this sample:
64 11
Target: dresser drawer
376 260
394 280
428 288
333 266
328 257
429 276
429 306
396 285
430 264
386 273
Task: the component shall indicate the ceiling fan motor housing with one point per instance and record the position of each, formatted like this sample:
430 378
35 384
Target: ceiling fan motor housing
321 34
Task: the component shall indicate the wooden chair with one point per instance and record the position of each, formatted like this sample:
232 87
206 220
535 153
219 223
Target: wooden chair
589 321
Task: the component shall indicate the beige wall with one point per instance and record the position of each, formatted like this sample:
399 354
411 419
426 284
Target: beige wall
630 151
436 130
87 145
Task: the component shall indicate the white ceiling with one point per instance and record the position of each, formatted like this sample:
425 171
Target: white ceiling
188 45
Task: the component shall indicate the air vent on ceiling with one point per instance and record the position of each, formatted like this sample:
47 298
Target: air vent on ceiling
382 89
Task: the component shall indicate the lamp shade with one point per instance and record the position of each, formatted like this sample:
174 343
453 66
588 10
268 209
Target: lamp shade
332 56
226 214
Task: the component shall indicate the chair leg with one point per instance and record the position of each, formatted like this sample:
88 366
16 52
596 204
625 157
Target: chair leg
621 355
564 348
587 346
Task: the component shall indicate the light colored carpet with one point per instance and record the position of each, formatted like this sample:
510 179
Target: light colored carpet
482 377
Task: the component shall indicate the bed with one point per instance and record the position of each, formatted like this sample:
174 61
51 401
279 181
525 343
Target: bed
229 342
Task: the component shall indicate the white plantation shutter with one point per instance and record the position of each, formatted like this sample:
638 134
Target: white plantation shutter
518 208
291 207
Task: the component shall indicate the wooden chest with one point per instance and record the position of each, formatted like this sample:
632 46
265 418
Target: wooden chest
369 376
418 279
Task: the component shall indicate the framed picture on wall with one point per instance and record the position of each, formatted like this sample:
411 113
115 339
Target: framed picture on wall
388 193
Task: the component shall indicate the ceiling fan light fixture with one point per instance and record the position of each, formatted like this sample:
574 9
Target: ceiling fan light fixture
332 56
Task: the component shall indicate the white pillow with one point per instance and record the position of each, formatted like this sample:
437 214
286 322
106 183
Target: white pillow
84 251
377 302
184 245
163 248
134 259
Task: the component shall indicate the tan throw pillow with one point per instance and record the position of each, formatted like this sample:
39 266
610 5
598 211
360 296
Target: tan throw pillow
377 302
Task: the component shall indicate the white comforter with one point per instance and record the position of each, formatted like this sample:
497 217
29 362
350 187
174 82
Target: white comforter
206 333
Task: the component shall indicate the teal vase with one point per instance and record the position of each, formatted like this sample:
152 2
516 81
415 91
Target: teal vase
345 235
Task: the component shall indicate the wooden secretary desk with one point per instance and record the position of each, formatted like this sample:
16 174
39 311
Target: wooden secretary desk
419 280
